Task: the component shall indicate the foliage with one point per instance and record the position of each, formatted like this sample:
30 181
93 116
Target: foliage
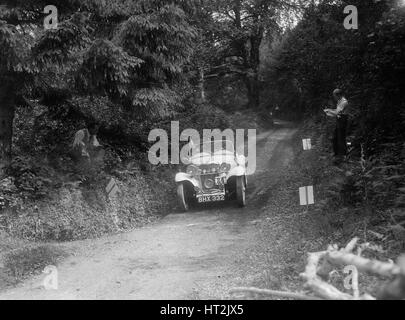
117 63
107 68
30 260
57 45
7 193
162 38
30 177
74 213
145 49
235 38
365 190
133 66
318 55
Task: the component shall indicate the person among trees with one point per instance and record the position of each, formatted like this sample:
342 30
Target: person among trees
86 147
341 115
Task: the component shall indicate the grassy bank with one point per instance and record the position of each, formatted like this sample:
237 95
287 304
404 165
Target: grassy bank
20 259
290 231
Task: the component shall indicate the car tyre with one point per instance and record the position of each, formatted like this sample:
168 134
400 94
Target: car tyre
241 191
183 197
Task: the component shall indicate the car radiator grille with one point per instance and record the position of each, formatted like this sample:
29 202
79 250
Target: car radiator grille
215 188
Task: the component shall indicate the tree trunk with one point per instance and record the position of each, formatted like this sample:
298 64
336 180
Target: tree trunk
237 11
201 86
253 83
253 91
6 125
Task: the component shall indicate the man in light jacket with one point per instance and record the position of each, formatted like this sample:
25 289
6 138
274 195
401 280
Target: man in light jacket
341 115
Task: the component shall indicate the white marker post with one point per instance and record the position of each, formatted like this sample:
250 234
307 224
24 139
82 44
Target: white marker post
306 144
307 196
111 191
112 188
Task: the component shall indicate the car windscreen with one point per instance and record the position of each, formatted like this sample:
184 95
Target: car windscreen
215 147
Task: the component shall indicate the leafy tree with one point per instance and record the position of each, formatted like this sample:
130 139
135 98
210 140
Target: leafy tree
319 54
132 52
24 55
241 28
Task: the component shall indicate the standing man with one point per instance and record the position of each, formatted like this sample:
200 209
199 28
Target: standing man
341 115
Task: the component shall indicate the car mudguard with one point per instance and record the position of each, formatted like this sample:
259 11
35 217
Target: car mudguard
236 172
183 177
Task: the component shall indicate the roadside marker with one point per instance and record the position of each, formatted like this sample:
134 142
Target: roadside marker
306 195
306 143
112 188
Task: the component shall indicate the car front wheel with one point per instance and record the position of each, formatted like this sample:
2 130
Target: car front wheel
183 197
241 191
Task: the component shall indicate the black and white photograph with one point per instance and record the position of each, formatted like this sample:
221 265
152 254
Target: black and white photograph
205 155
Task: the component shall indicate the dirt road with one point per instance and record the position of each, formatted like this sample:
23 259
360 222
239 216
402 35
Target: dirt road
198 255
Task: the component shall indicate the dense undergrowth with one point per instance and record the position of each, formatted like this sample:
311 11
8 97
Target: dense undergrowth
319 55
21 258
341 212
368 188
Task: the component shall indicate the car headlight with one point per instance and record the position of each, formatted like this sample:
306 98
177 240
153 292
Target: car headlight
209 183
192 170
214 168
225 167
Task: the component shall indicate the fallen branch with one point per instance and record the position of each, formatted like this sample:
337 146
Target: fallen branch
321 263
275 293
351 245
313 282
366 265
326 291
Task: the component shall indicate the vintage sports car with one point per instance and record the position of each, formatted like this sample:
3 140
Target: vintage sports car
215 172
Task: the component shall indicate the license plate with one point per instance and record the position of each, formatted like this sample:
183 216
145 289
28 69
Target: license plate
213 198
219 181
